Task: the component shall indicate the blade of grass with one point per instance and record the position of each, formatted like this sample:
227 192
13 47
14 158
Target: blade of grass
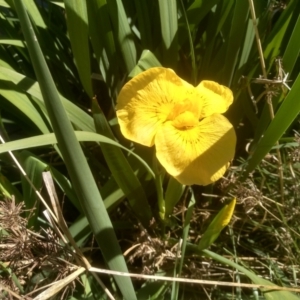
79 172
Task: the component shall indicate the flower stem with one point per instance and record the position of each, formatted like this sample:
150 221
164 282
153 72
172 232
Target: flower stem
160 197
159 175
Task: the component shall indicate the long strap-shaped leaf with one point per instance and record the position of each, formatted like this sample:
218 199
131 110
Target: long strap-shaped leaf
82 136
122 32
121 169
169 27
103 42
78 30
75 161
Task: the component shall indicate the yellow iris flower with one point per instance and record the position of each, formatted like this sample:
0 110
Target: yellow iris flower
193 141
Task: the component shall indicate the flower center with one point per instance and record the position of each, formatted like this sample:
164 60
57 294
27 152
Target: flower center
185 120
179 108
183 115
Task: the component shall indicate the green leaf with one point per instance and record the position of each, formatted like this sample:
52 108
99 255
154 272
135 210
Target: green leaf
147 61
80 174
50 139
285 31
185 236
22 102
112 197
169 30
121 170
12 42
33 167
153 290
145 22
292 50
77 116
268 294
198 10
192 50
285 115
4 4
219 222
103 42
78 30
66 187
234 45
173 194
195 14
34 13
8 190
275 39
58 3
122 32
210 65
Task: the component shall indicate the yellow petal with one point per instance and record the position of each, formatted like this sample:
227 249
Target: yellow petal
215 98
151 98
196 155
